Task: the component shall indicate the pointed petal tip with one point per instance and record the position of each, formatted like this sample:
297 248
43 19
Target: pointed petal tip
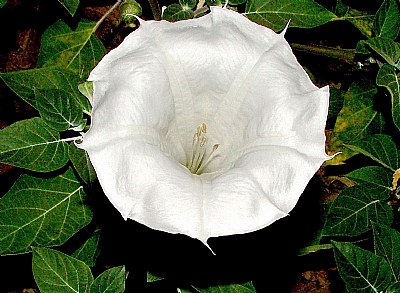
208 246
283 32
141 21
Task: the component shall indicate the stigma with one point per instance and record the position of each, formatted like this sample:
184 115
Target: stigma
200 157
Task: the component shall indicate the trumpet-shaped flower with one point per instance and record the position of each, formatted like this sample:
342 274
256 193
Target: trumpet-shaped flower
205 127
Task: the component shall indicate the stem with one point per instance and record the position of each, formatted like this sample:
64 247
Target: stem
200 4
106 15
155 9
199 11
343 54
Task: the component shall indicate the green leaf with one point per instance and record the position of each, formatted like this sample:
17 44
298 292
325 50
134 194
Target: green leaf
360 269
188 4
354 120
236 2
214 3
70 5
25 82
363 20
153 278
86 89
59 109
387 20
41 212
30 144
393 288
90 250
388 78
276 13
81 162
234 288
387 245
2 3
336 100
175 12
387 48
77 50
112 281
353 211
55 271
379 147
379 178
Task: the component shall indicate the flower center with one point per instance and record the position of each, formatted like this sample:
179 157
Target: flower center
199 157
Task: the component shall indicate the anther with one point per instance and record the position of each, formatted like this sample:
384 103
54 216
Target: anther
199 157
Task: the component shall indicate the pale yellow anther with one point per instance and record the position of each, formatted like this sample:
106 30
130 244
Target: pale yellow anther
199 157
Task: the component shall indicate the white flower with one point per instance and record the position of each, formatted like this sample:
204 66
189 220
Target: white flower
205 127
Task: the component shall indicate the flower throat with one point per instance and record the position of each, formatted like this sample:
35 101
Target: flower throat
199 158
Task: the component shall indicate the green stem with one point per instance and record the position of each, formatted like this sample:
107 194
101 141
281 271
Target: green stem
155 9
342 54
313 248
106 15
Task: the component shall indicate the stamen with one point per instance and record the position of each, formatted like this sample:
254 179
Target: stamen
198 158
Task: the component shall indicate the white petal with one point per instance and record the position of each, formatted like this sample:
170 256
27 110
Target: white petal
263 186
244 82
148 186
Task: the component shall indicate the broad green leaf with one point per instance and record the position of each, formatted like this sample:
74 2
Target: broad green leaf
175 12
55 271
78 50
25 82
353 211
379 178
388 78
41 212
379 147
276 13
387 48
59 109
32 145
363 20
90 250
354 120
111 281
360 269
378 125
387 20
70 5
2 3
387 245
81 162
336 100
393 288
234 288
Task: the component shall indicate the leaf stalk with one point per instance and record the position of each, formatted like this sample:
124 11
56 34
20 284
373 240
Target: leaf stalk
337 53
100 21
